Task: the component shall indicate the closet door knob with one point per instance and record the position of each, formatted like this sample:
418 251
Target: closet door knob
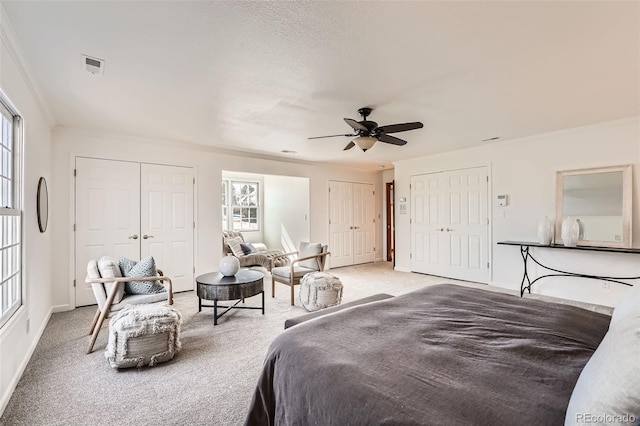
449 229
145 236
133 237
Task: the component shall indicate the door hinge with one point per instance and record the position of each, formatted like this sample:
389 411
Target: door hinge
74 227
329 221
487 178
194 225
487 265
194 181
194 269
410 220
329 189
74 283
487 221
410 255
75 171
374 192
374 220
409 186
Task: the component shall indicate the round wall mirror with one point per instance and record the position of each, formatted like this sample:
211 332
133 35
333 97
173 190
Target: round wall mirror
43 204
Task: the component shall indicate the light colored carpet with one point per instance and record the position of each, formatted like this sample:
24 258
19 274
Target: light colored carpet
209 383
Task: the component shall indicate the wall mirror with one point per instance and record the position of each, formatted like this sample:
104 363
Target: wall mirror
600 198
42 204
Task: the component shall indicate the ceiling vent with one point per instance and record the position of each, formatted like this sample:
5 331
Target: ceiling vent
92 65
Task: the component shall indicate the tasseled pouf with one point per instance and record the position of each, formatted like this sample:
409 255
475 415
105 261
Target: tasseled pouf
319 290
142 335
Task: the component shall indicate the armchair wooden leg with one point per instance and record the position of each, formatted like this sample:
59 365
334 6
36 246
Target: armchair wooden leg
95 320
273 287
96 330
292 290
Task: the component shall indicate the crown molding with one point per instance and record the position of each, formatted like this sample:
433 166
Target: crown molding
8 36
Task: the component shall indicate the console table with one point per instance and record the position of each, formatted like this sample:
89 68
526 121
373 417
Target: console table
525 251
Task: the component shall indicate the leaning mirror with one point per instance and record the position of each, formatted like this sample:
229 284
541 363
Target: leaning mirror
42 204
600 199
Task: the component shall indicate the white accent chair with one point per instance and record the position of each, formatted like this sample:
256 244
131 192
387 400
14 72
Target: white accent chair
111 288
312 257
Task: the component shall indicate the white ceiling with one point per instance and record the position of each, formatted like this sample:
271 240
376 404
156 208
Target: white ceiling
263 76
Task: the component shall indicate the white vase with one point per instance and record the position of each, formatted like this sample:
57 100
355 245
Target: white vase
570 232
229 265
545 231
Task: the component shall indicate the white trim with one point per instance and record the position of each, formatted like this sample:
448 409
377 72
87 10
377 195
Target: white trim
4 400
62 308
400 269
8 36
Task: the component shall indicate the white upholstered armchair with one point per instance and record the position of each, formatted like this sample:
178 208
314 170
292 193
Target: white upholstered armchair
108 288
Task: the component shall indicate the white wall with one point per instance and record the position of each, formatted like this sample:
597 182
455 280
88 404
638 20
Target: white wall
67 143
525 170
17 339
286 211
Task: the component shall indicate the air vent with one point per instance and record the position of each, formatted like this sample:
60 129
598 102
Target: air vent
92 65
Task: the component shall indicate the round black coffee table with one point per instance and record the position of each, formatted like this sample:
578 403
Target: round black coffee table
215 286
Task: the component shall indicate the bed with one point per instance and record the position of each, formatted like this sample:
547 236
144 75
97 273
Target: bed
441 355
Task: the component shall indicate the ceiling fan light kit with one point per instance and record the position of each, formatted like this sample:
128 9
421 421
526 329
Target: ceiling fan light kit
365 142
367 133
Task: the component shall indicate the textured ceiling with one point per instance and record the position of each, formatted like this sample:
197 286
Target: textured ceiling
263 76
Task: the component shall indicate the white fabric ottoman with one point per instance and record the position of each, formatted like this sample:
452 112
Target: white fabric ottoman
319 290
143 335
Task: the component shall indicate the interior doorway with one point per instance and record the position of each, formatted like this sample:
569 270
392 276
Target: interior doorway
390 225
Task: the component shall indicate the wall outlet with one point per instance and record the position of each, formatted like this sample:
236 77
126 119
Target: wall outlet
606 284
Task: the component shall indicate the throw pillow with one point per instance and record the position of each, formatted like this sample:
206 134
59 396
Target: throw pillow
259 247
145 268
234 245
309 249
110 269
247 248
608 389
628 307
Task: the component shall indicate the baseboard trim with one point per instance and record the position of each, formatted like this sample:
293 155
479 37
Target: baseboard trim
62 308
23 365
399 269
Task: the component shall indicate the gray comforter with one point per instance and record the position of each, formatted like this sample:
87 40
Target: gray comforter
442 355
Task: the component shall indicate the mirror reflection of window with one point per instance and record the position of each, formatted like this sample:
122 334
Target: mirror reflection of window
600 198
596 200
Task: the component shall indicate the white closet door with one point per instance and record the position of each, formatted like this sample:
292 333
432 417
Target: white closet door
449 224
167 221
363 223
107 216
341 223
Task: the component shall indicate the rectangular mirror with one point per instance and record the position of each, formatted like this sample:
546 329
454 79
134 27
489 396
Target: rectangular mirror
600 199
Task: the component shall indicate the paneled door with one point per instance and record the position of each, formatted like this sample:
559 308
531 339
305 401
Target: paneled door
107 216
167 221
118 203
450 225
351 223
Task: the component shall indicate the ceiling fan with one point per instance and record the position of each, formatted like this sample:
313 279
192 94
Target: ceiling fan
367 133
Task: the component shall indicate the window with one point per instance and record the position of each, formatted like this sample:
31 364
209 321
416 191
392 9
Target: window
10 217
240 205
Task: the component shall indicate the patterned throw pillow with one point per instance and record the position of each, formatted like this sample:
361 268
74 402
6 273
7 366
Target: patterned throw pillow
145 268
234 245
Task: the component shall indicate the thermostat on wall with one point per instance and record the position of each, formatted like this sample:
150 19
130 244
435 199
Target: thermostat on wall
502 200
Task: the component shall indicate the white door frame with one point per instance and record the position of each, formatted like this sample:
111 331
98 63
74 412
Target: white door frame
489 207
72 217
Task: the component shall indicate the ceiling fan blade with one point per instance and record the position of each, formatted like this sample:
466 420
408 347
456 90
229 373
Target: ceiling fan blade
349 146
395 128
331 136
391 139
353 123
